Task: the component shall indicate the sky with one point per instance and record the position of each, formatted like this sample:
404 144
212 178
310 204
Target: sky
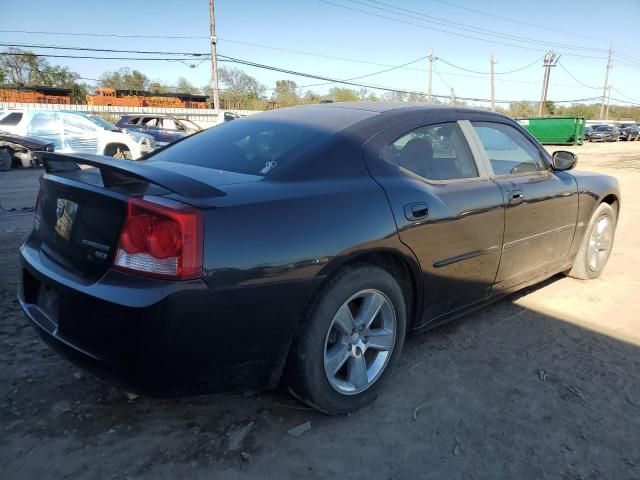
341 41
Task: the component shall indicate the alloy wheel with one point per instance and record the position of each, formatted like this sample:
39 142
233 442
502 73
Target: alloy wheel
599 243
360 342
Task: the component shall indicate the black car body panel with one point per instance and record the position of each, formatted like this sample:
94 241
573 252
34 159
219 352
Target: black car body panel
25 149
32 143
272 241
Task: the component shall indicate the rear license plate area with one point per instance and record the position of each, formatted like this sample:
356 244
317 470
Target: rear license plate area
65 215
49 302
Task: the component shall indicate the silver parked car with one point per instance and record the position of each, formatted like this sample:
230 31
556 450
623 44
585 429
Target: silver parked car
75 132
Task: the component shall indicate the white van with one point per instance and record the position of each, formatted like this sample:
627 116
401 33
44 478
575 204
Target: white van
75 132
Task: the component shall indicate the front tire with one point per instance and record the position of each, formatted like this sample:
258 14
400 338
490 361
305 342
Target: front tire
596 244
349 340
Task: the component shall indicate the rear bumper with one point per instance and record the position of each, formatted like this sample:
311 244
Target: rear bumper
163 338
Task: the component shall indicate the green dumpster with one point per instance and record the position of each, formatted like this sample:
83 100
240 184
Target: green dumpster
555 130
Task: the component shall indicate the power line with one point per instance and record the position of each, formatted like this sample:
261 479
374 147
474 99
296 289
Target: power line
635 104
543 27
314 54
628 61
198 54
109 50
374 73
440 77
516 21
93 34
224 58
49 55
188 37
207 55
524 82
488 73
332 80
451 33
581 83
224 40
626 96
465 27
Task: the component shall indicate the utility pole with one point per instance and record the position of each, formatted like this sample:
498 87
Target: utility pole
214 58
493 83
430 73
453 96
606 80
550 60
606 112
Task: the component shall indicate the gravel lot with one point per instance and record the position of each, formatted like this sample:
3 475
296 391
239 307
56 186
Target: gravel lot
544 384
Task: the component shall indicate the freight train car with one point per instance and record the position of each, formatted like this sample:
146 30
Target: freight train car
136 98
52 95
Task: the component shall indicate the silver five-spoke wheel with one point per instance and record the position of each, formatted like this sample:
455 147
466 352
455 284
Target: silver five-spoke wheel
600 243
360 342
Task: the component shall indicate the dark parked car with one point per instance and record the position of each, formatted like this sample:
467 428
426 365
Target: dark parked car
164 128
21 151
587 133
604 133
301 244
628 131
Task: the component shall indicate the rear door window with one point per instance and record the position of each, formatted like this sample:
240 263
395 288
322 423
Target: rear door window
435 152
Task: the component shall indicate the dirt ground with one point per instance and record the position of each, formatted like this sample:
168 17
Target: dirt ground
544 384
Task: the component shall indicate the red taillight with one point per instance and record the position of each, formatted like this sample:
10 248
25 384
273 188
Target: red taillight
160 241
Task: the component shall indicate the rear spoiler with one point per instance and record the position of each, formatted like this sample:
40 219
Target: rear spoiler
117 172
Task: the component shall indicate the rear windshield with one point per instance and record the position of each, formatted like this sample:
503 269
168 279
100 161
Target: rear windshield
259 145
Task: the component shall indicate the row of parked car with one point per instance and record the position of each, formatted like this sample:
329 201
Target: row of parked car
612 133
24 133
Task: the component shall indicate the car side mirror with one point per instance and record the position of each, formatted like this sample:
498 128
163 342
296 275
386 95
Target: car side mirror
564 160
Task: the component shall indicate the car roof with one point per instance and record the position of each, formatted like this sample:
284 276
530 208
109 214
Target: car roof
326 114
383 107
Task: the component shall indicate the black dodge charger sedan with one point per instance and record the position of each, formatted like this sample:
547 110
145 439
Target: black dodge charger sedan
301 245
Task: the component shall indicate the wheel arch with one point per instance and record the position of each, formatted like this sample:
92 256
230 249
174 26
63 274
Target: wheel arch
401 265
612 200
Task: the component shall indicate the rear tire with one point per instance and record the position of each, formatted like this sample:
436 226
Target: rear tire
6 160
337 362
596 244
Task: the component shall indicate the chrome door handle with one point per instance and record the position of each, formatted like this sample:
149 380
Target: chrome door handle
516 196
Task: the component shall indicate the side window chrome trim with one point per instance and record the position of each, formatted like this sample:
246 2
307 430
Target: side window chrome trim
483 164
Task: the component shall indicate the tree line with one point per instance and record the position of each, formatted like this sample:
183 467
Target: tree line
240 90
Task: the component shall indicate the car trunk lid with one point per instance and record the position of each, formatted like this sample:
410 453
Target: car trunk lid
82 204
